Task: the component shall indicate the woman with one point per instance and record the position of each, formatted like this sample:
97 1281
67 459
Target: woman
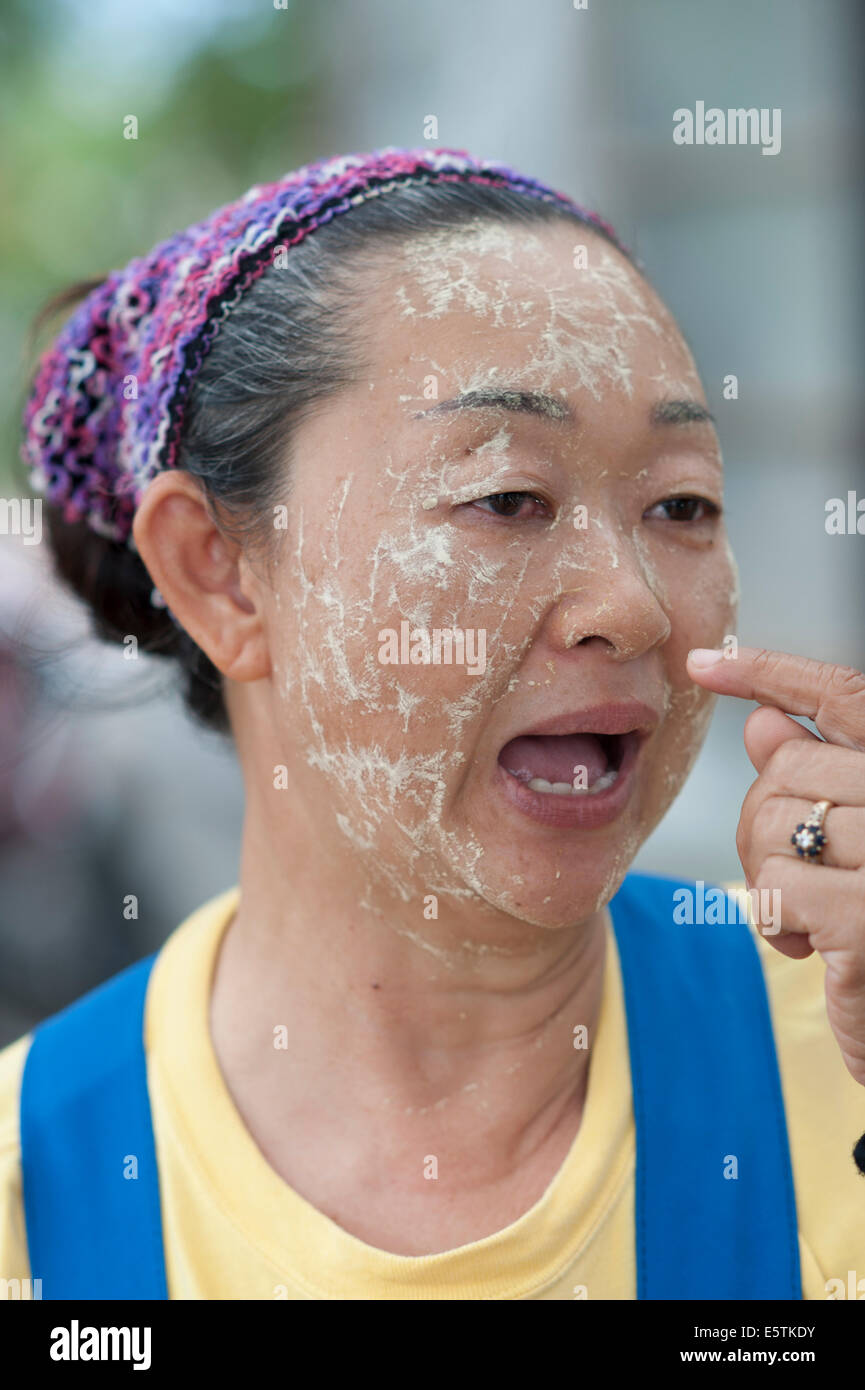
407 465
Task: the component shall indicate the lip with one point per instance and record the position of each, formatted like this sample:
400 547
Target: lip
612 717
585 812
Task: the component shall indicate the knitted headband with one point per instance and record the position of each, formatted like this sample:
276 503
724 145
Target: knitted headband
105 412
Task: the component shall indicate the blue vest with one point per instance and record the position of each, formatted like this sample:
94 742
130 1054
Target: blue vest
715 1210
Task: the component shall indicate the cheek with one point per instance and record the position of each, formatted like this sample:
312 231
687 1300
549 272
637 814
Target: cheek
698 589
702 614
708 606
361 604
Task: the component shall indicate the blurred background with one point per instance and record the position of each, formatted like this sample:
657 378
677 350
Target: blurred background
106 788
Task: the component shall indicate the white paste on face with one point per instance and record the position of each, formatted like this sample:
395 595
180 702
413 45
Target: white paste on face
590 320
392 793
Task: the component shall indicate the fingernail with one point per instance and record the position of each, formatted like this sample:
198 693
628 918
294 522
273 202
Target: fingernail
704 656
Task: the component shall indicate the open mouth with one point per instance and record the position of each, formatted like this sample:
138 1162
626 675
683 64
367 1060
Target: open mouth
569 765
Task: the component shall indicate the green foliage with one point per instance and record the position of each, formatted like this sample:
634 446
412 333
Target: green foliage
221 103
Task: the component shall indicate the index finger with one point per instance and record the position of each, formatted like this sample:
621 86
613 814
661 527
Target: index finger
833 696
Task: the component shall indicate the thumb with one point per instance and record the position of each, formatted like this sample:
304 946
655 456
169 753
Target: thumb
766 729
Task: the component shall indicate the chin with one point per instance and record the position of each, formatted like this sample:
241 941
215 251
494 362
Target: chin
556 884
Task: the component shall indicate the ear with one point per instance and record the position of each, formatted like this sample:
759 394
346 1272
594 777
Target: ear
202 575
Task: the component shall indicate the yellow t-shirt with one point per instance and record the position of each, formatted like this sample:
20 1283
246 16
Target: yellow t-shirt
233 1229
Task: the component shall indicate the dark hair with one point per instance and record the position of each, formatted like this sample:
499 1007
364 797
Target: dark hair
294 339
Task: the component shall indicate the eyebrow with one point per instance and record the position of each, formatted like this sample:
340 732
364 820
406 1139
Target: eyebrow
525 402
685 412
670 412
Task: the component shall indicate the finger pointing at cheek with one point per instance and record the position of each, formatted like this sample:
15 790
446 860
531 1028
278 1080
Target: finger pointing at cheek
823 902
833 696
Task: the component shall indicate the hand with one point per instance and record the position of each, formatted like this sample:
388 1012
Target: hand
822 904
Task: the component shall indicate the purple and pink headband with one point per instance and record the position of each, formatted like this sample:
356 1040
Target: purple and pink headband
105 412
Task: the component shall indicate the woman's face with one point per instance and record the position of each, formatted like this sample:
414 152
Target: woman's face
540 526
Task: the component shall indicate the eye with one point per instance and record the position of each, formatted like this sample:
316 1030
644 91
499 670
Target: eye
511 504
686 508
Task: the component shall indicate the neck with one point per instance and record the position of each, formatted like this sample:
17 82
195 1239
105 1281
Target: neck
452 1034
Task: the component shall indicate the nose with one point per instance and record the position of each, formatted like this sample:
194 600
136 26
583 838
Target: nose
614 602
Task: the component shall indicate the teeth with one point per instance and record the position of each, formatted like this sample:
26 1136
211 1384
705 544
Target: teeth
540 784
605 780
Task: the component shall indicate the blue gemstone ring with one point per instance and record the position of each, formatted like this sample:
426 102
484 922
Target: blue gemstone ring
808 837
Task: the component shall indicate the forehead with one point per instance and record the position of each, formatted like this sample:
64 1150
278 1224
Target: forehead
553 307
